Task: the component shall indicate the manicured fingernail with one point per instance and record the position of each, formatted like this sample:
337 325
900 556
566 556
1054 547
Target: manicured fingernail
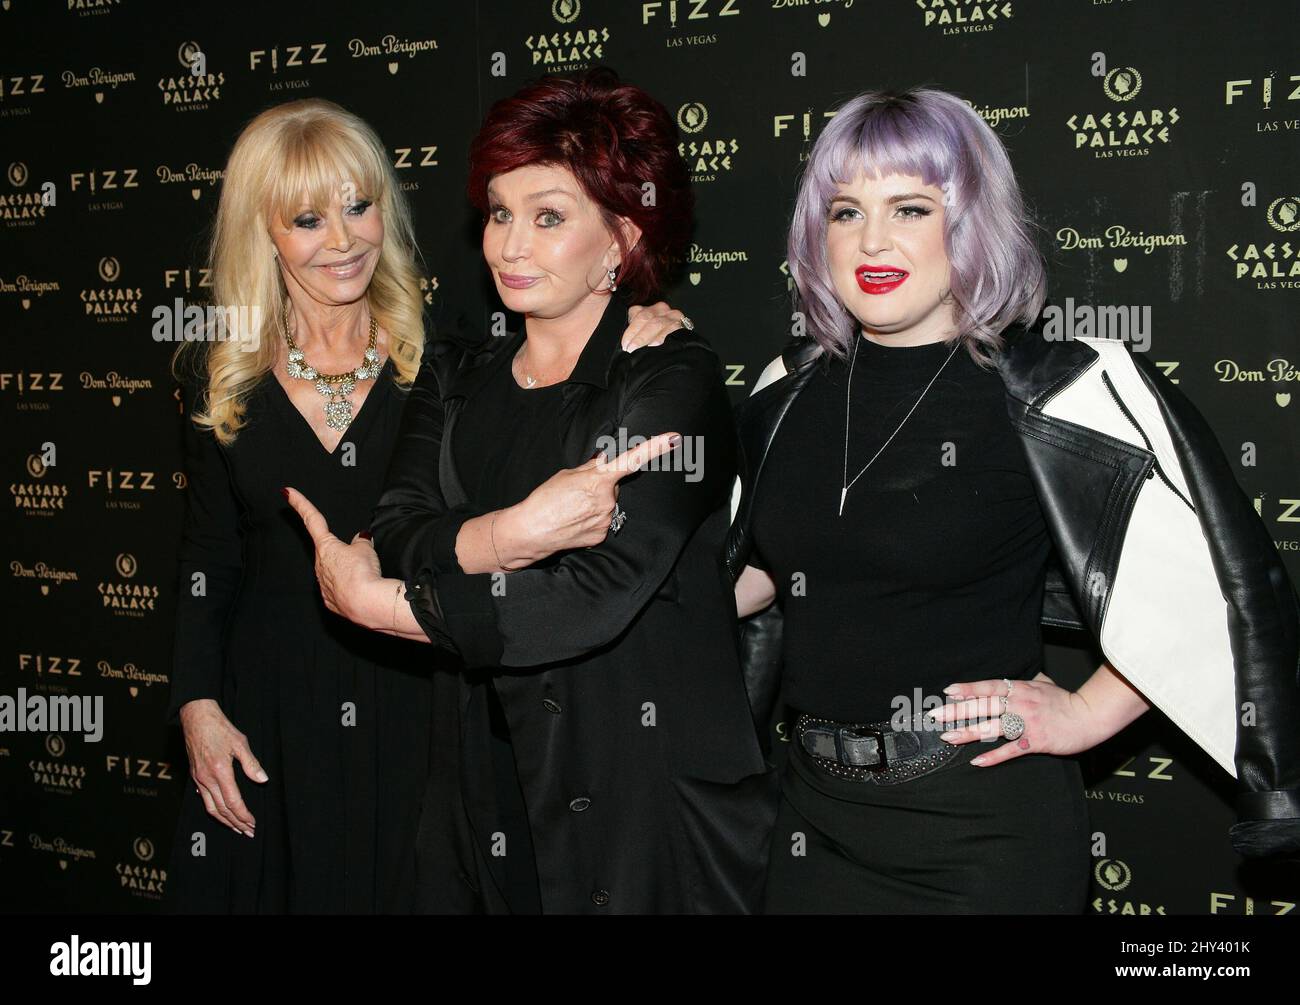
675 439
364 534
948 737
950 689
284 492
262 776
977 761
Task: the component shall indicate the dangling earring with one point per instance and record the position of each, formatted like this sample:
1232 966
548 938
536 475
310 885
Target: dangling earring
612 285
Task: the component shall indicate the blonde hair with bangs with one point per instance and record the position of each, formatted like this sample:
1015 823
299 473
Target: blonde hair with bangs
309 149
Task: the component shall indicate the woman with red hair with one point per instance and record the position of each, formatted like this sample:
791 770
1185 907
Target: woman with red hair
598 753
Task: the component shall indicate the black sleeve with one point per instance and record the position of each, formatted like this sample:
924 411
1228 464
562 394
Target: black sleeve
590 595
413 529
210 564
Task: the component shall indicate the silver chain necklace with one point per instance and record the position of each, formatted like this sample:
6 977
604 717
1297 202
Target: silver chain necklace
848 394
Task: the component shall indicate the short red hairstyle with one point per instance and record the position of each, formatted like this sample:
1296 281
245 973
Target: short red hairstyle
615 139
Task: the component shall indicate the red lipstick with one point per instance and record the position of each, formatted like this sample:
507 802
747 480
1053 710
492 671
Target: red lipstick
879 278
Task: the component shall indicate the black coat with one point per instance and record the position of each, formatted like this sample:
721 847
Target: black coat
644 783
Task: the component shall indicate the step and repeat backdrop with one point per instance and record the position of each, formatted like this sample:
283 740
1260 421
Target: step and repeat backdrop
1158 142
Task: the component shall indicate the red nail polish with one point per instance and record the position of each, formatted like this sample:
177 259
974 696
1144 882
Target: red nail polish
365 534
284 492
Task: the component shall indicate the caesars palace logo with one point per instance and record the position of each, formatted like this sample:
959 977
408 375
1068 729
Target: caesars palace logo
52 772
89 8
573 47
124 597
960 17
37 496
707 154
1114 876
195 87
112 302
20 207
138 876
1270 263
1130 130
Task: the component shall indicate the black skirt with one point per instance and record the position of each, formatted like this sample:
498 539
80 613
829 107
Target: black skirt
1008 839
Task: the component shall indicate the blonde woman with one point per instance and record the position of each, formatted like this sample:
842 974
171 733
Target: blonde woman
328 723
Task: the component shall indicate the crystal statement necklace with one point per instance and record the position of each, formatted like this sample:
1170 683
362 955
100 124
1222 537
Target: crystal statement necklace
335 387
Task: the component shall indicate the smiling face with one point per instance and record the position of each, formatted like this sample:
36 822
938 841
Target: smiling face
545 241
331 256
884 246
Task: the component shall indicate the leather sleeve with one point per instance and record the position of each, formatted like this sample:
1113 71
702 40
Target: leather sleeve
1264 627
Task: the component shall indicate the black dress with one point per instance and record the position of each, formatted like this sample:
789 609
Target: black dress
338 716
498 471
934 574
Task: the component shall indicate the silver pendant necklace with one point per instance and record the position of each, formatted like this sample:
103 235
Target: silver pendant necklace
334 387
848 393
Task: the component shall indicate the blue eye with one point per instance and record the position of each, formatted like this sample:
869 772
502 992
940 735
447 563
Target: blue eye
498 214
554 218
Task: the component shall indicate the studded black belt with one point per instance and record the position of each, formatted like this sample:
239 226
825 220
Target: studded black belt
872 752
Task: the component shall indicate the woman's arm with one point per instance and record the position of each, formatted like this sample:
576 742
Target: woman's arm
210 565
589 596
516 536
1057 721
209 571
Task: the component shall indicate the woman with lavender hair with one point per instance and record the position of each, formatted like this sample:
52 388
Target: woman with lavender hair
924 456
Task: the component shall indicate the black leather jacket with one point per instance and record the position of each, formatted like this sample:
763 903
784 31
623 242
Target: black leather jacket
1159 554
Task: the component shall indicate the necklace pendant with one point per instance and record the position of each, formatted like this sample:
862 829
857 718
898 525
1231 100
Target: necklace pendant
843 493
338 413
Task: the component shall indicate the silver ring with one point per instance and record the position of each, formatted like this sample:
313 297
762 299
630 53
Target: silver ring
688 324
616 523
1012 725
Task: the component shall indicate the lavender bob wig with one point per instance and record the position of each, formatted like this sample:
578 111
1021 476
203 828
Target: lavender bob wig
998 276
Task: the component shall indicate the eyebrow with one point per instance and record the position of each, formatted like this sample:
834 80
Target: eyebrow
536 195
902 197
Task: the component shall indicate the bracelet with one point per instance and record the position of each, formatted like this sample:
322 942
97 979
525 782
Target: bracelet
492 535
400 589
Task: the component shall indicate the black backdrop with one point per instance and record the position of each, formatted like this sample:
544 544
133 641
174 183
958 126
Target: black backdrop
113 157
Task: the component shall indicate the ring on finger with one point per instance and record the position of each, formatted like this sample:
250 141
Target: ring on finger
1012 725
